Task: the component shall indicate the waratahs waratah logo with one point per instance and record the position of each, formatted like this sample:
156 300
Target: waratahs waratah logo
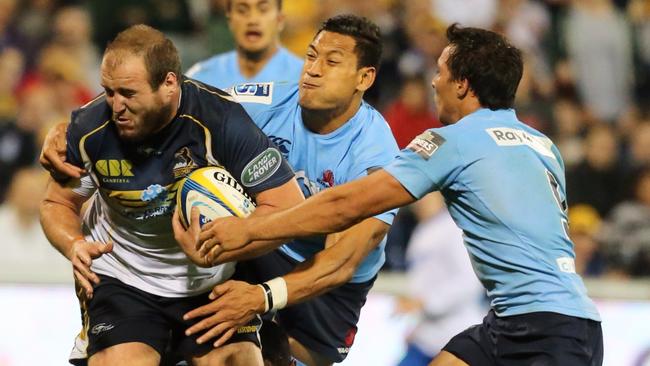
154 191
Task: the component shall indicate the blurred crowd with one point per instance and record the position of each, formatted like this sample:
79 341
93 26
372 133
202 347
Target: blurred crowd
586 85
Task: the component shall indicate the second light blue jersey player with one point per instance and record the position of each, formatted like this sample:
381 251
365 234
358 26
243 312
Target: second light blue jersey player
359 146
504 184
222 71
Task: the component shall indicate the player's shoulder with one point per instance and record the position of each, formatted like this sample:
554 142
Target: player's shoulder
209 65
370 138
207 104
374 125
90 116
199 95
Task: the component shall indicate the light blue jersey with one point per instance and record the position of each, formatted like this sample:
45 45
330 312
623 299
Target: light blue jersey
362 144
504 184
222 71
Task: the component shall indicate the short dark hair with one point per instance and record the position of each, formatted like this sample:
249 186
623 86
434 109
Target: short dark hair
160 54
490 64
229 4
366 34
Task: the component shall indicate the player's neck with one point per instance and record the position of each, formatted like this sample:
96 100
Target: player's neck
324 121
251 63
468 107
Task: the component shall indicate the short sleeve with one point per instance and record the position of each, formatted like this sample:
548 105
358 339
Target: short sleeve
73 138
249 155
429 163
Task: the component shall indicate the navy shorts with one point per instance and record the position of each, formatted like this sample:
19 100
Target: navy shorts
540 338
119 313
325 324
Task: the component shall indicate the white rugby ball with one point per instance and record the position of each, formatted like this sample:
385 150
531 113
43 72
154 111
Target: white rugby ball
216 194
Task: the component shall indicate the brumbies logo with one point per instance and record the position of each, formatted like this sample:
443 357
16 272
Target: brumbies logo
426 144
183 163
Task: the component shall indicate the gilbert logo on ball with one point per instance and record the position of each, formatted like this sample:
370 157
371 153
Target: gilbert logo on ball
215 193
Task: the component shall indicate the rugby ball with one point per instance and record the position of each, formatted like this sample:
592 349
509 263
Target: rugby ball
216 194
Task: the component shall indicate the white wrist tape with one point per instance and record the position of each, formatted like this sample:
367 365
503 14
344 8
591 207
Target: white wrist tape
279 293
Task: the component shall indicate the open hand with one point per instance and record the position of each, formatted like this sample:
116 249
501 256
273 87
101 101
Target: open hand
234 304
188 239
81 255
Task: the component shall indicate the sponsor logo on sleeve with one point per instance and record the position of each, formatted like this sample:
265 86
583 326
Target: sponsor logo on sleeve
261 168
253 93
426 144
504 136
566 264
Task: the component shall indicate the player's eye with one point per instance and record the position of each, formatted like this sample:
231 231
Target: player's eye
333 62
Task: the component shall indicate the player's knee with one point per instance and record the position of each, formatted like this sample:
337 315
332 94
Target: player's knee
233 354
308 356
445 358
132 353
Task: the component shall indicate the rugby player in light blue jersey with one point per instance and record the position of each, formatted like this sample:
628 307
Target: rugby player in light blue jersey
330 136
258 57
504 185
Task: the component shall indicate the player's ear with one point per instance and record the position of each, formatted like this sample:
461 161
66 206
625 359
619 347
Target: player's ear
170 83
462 88
281 21
366 77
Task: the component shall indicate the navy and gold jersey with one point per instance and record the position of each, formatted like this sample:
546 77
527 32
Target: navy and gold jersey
135 183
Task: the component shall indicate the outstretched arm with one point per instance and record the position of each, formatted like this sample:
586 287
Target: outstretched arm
268 201
332 210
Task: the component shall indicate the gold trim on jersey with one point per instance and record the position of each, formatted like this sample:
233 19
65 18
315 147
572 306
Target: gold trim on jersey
83 306
208 139
92 101
225 95
84 155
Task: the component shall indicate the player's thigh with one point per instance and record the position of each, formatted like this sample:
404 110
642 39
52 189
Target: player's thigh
326 325
126 354
120 314
233 354
445 358
306 355
187 347
549 339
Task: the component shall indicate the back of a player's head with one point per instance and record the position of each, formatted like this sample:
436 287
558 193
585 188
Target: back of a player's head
159 53
366 35
229 5
491 65
275 345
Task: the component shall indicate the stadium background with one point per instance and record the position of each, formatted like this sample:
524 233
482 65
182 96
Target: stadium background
586 85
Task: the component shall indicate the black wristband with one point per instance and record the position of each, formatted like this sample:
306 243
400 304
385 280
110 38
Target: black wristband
269 296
